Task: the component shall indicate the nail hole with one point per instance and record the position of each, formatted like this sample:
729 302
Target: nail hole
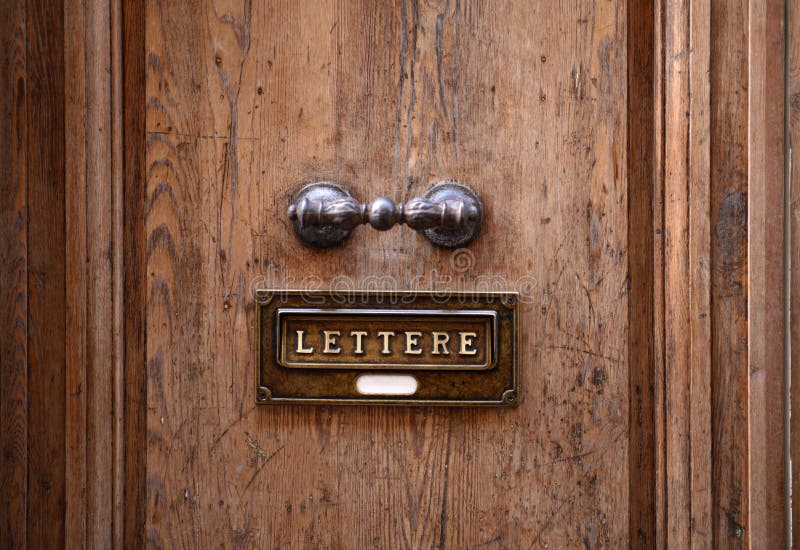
386 384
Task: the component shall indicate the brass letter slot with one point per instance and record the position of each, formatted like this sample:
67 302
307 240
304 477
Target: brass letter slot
317 347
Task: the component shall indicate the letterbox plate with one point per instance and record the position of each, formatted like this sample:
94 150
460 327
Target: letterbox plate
455 348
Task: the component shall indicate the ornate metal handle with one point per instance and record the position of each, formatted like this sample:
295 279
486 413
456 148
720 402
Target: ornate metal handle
449 215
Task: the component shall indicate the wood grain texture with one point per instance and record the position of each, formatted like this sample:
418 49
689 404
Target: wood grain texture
793 119
641 49
117 279
630 170
57 416
99 275
13 278
766 267
686 274
88 245
699 290
133 214
525 102
712 119
729 202
46 275
76 292
659 275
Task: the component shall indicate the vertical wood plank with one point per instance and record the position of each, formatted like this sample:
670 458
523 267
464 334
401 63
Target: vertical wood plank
61 84
676 273
699 284
687 356
766 263
13 277
659 273
705 171
117 168
793 119
641 144
729 337
76 254
133 246
46 274
89 251
99 364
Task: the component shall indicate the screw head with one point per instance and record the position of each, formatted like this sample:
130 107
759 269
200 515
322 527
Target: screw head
510 398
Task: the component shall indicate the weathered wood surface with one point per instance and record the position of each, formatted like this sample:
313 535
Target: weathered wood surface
56 409
99 272
721 256
729 26
76 351
642 345
134 295
659 276
650 334
769 523
46 275
793 118
524 101
14 430
708 132
90 326
687 358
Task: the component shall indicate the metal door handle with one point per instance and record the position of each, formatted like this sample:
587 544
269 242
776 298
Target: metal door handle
449 215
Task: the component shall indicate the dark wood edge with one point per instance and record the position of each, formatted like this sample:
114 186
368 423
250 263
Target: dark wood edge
134 301
641 361
47 277
14 433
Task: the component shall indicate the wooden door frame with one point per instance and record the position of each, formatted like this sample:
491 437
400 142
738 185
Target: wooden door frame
719 282
75 157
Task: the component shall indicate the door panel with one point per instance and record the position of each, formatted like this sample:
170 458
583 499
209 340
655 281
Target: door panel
526 103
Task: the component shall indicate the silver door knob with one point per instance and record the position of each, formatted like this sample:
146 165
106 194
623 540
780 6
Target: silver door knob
449 215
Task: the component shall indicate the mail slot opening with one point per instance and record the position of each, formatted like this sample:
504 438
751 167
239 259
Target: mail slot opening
386 384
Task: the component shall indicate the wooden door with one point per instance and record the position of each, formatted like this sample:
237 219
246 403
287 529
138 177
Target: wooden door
525 102
624 164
